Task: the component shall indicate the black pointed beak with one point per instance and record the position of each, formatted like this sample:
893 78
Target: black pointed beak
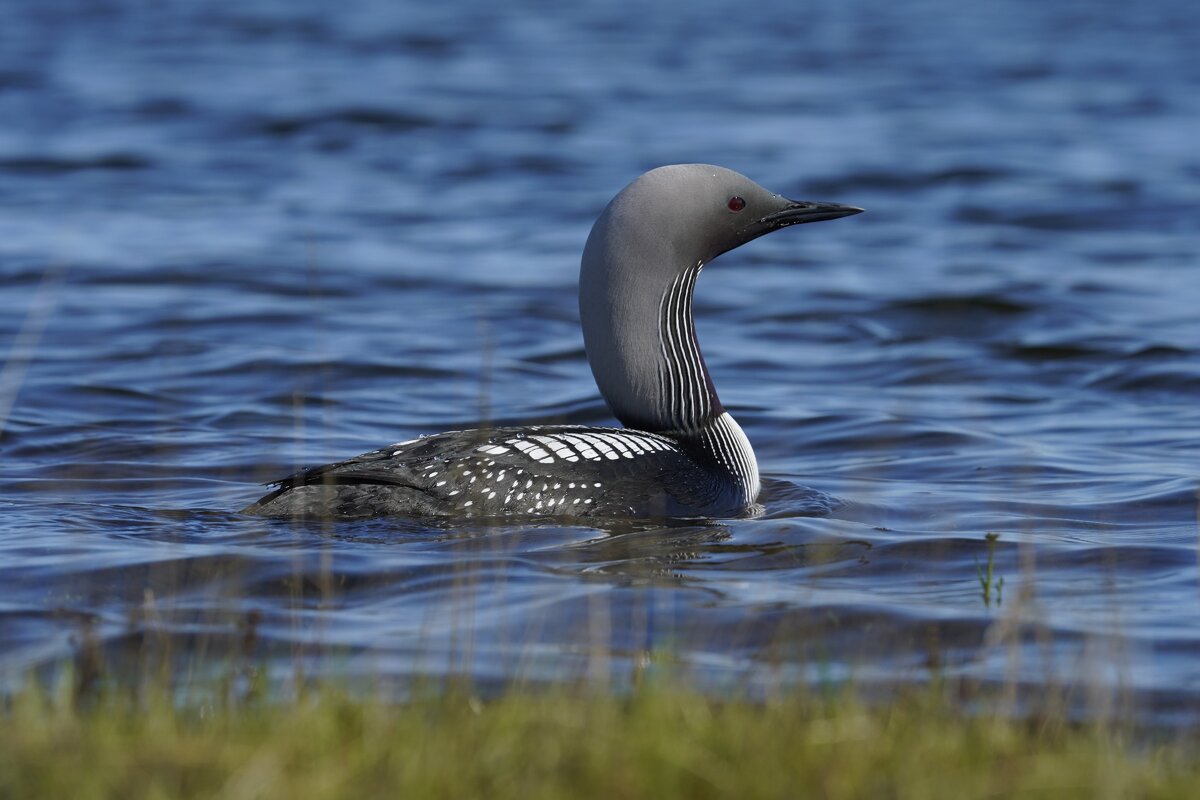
798 212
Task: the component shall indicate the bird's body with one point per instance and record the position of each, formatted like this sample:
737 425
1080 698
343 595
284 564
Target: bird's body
553 470
680 454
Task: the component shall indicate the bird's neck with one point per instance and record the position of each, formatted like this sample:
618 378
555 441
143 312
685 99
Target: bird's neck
648 365
641 343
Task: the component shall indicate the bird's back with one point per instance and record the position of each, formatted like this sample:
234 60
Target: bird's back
551 471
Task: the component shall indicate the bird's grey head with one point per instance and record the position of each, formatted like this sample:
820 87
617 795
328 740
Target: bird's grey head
695 212
665 224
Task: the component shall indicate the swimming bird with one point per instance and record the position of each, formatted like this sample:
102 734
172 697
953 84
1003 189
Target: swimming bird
680 453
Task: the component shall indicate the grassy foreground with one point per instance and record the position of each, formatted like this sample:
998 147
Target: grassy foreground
660 742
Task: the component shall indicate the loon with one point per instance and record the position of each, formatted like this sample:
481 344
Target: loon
680 453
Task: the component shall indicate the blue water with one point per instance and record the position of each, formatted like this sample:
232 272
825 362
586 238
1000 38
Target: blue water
240 238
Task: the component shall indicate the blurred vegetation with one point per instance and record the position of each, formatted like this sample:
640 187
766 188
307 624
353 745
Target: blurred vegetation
658 740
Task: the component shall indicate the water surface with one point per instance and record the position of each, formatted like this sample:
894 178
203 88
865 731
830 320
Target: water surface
234 242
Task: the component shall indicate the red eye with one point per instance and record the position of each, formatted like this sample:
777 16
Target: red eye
736 203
